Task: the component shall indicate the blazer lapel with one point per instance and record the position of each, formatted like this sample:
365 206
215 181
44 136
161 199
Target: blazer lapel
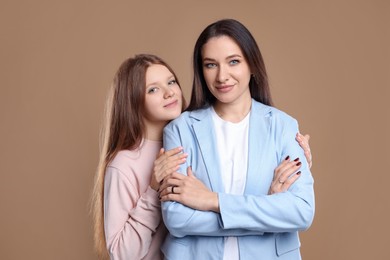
205 136
259 139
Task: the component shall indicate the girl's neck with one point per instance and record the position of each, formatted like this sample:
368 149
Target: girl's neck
233 112
154 131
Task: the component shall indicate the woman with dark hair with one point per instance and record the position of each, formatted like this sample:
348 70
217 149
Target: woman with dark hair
234 138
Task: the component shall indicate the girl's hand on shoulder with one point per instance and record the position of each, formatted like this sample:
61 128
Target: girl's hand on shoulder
166 163
285 175
303 141
189 191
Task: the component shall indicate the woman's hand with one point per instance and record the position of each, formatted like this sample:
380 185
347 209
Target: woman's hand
165 164
285 175
303 141
189 191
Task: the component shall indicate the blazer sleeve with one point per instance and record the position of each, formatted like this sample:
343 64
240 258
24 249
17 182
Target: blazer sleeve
181 220
247 214
292 210
130 220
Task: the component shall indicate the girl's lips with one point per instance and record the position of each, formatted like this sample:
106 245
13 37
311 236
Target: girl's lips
171 104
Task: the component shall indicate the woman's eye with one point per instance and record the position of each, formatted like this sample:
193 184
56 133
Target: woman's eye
210 65
152 90
234 62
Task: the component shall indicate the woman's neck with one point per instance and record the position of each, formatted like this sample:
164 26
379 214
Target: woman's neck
233 112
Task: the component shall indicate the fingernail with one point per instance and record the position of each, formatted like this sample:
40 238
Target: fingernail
297 159
288 157
299 163
299 173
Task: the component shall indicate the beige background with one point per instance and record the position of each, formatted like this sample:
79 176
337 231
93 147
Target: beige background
329 66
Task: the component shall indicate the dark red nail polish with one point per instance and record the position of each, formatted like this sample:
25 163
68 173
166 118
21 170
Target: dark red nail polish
288 157
299 173
299 163
297 159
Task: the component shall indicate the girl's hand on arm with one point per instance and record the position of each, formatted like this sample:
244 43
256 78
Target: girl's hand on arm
189 191
165 164
285 175
303 141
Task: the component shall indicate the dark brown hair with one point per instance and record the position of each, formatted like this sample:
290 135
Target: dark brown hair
258 85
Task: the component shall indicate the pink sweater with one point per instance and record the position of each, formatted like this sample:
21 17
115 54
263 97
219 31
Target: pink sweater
132 213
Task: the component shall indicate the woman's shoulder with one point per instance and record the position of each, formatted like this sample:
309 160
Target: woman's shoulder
273 112
187 117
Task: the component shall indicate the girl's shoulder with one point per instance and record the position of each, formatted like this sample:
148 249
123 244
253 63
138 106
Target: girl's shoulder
123 158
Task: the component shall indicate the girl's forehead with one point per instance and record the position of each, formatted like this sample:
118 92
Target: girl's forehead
157 73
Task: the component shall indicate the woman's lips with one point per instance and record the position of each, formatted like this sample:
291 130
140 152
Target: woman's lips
224 88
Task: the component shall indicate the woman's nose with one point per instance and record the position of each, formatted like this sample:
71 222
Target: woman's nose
222 75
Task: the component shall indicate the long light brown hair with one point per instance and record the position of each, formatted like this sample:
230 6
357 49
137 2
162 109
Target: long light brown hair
123 128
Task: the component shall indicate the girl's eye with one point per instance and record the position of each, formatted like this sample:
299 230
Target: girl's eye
234 62
152 90
210 65
172 82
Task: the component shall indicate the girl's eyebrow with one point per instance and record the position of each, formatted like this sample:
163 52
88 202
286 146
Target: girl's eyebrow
170 77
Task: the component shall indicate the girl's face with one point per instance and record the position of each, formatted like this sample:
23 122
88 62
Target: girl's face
226 70
163 97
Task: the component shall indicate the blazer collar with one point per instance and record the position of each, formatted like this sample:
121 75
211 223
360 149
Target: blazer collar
205 136
257 109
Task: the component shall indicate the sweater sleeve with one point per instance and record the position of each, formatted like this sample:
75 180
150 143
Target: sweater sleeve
130 218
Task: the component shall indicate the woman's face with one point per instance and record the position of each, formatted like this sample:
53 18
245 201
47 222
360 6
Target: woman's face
226 70
163 97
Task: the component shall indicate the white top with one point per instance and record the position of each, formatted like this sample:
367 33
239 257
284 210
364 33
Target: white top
232 146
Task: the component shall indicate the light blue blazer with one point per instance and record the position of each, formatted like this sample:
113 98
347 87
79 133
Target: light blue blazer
266 225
